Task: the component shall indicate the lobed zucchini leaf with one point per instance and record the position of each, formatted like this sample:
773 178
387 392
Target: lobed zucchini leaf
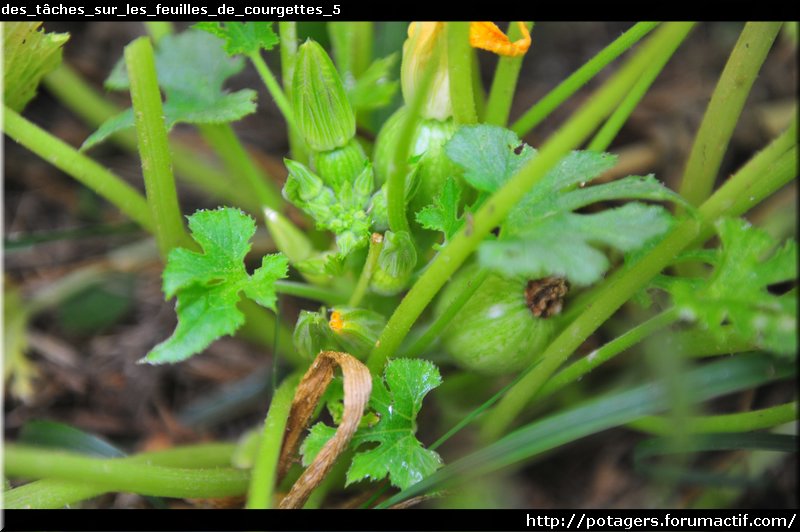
542 236
192 68
737 292
396 400
242 37
442 215
208 284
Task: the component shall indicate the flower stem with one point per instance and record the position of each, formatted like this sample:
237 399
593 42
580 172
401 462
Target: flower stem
240 164
459 71
375 246
542 109
739 422
505 82
158 29
141 474
265 469
274 89
398 171
153 147
69 160
495 209
724 109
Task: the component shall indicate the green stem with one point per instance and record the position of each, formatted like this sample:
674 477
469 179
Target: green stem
620 288
459 72
54 493
495 209
737 196
697 343
288 36
375 246
542 109
158 29
398 171
307 291
153 147
505 82
138 474
240 164
66 85
602 140
586 364
69 160
274 89
265 469
724 109
739 422
443 320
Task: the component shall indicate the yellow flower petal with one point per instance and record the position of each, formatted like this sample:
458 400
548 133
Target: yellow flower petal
487 36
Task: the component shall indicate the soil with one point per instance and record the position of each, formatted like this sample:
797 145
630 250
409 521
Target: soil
89 378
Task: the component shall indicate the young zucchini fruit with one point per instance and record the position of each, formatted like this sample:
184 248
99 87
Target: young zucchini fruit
506 323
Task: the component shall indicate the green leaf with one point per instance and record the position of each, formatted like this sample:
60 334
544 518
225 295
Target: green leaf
192 69
28 55
490 155
562 244
396 400
242 37
541 236
208 284
443 214
374 89
737 295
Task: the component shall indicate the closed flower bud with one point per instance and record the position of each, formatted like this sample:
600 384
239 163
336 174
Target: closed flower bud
426 44
312 334
319 101
340 167
356 330
396 263
306 191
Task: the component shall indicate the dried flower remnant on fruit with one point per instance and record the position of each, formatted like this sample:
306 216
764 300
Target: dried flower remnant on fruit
487 36
545 297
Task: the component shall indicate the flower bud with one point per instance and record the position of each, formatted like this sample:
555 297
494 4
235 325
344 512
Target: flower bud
338 168
307 191
356 330
319 101
426 44
396 263
312 334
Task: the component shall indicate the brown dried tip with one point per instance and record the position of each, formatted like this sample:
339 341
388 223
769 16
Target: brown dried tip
545 297
357 389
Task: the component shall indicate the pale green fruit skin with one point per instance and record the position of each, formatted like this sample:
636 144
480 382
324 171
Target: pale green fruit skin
494 333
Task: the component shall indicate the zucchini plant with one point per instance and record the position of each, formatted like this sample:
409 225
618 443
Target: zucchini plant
430 244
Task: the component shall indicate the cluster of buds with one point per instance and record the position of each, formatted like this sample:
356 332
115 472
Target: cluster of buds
336 189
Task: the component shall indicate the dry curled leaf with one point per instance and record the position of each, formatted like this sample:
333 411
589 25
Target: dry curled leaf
357 389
